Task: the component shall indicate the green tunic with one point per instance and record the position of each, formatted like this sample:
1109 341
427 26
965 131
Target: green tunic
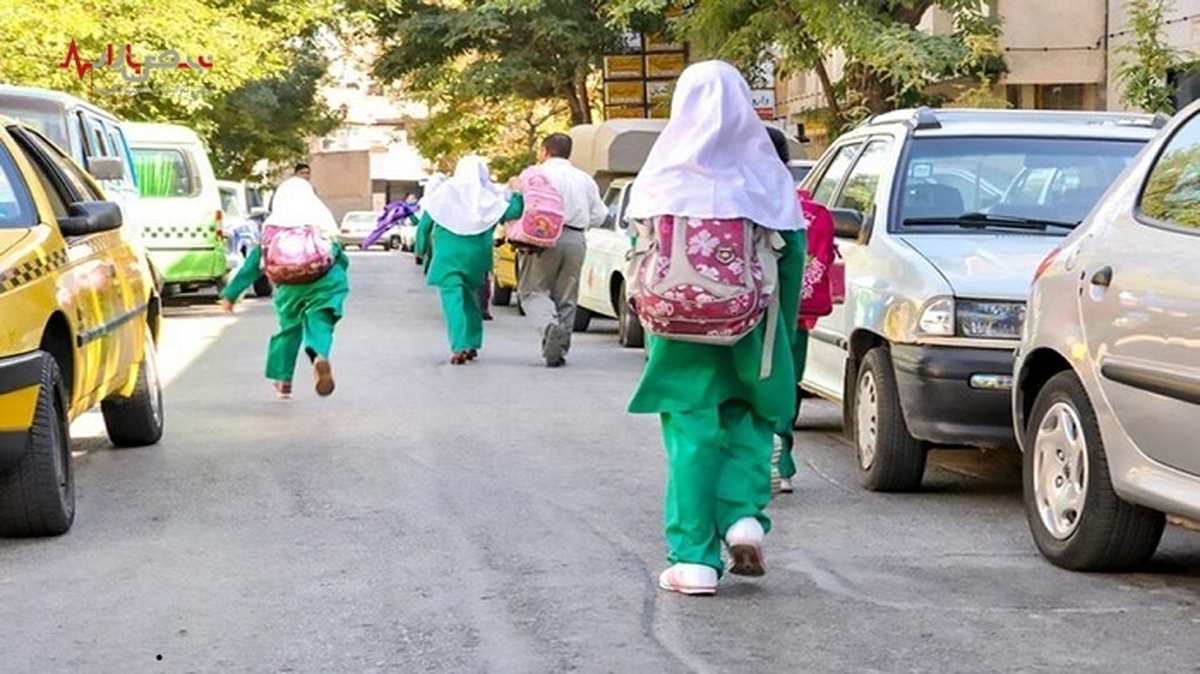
685 376
458 266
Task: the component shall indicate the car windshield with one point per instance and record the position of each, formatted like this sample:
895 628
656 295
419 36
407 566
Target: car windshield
16 206
229 201
974 183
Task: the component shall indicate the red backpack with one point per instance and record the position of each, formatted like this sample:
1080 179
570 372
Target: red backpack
824 276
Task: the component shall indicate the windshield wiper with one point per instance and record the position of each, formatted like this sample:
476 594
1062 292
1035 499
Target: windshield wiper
984 220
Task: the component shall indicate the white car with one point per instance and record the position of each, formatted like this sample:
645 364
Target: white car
938 262
602 279
1107 397
357 226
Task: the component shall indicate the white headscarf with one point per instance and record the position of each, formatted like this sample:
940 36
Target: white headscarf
714 159
296 204
466 203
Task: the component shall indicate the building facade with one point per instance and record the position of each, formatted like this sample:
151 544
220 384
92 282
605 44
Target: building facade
1061 55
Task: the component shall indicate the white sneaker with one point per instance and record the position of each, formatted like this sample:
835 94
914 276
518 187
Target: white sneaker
690 579
745 540
785 485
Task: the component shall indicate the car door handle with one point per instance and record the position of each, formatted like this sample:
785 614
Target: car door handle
1103 277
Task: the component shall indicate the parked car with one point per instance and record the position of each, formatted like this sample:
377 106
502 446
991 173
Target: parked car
180 206
357 225
1107 397
241 226
81 315
938 267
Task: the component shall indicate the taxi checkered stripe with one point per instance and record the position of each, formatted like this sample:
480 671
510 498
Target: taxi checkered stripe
172 231
31 270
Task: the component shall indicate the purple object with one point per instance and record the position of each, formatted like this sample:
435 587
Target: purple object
394 215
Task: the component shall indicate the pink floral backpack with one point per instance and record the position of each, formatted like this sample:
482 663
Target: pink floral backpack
821 270
541 221
706 280
295 255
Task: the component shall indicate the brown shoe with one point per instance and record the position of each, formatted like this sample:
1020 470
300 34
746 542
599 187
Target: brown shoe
323 375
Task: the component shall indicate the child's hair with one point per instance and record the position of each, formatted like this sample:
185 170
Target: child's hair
780 142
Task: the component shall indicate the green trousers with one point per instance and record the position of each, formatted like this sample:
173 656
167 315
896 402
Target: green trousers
718 471
785 429
312 330
464 317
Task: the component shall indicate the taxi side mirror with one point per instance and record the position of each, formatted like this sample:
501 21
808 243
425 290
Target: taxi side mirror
90 217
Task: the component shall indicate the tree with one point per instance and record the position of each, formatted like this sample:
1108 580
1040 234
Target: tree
507 131
889 62
255 49
535 50
1147 59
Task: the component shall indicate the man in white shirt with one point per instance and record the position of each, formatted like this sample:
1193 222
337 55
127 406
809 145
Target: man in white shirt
549 279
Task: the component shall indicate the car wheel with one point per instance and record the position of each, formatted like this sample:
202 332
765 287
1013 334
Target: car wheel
629 329
394 243
37 496
137 420
501 297
889 458
583 318
1077 520
263 287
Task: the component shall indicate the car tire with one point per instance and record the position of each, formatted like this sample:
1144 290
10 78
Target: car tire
583 318
37 496
393 243
889 458
263 287
629 329
137 421
1077 520
501 297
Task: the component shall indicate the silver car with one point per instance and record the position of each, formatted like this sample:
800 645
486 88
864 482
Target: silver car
1106 403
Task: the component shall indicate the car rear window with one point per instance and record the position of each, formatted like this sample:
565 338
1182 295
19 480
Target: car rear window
1056 179
16 205
163 172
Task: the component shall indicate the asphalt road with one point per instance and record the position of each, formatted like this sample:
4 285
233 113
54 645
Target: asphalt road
506 517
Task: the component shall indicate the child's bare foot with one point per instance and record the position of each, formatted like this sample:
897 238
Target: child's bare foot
323 375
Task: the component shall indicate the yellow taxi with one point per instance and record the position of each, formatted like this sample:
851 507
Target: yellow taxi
79 315
504 270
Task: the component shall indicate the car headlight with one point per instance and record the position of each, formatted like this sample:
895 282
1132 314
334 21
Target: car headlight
997 320
937 318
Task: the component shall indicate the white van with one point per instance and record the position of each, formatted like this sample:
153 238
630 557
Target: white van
92 136
180 206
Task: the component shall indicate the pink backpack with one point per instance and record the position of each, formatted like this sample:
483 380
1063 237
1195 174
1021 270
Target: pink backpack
706 280
821 269
541 221
295 255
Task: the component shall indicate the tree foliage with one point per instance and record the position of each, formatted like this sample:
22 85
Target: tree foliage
507 131
1147 58
535 50
889 62
252 45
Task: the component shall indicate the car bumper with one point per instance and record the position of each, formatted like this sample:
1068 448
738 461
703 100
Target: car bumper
20 383
956 396
199 265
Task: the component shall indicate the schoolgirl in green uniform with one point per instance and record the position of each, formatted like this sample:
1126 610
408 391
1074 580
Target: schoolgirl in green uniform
455 237
715 160
307 313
